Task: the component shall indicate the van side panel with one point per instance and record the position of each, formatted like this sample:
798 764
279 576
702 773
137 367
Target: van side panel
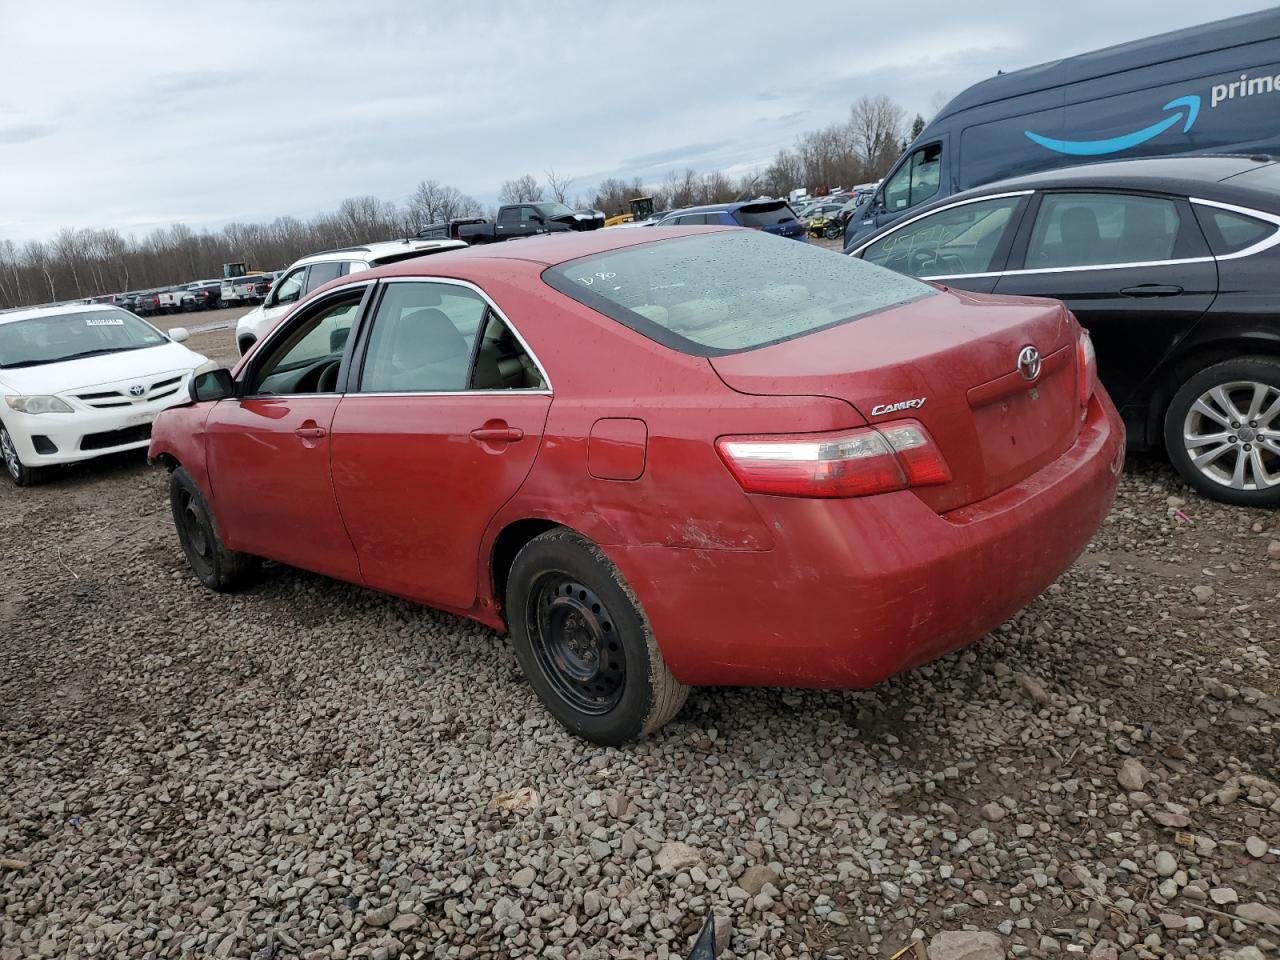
1229 98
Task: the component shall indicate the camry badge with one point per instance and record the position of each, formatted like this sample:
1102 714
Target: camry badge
1029 362
914 404
137 390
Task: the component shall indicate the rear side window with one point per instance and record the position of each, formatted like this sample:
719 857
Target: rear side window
762 214
422 339
1096 229
1230 232
322 273
720 293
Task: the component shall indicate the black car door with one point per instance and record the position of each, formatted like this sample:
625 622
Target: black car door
1134 268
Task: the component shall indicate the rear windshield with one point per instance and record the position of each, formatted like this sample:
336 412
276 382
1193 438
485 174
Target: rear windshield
764 214
725 292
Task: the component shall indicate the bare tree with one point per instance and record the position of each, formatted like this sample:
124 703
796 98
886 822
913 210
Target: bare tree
558 185
521 190
876 125
431 202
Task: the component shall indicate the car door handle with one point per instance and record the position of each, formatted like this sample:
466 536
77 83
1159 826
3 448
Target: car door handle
497 434
311 433
1152 290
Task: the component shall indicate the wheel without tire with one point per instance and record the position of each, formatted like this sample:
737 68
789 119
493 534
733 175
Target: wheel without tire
1222 431
584 642
213 564
18 472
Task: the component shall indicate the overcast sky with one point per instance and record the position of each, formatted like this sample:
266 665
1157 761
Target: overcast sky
136 114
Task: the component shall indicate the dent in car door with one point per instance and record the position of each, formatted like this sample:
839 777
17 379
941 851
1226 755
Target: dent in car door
421 460
268 453
1134 269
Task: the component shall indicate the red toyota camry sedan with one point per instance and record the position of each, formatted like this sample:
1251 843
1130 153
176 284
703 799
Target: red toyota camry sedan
658 459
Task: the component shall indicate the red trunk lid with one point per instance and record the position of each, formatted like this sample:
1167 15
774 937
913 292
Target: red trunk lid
957 355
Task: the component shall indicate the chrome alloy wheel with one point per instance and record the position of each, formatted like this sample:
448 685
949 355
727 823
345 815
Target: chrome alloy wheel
10 454
1232 435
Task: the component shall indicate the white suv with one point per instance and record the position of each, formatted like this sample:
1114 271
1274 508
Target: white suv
318 269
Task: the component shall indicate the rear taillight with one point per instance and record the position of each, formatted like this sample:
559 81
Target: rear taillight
1087 367
848 463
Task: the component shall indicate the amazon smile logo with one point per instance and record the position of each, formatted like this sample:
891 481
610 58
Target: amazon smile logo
1185 110
1188 107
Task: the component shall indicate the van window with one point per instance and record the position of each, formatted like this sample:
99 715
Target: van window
916 180
959 240
1229 232
1088 229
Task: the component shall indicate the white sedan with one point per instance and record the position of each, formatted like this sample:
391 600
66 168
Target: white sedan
80 381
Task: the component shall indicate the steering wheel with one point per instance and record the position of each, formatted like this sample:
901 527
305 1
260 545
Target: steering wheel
919 261
328 379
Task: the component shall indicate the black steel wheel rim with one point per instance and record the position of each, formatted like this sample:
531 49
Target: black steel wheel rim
191 518
576 644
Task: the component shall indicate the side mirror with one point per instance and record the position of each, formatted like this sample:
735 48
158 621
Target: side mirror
212 385
179 334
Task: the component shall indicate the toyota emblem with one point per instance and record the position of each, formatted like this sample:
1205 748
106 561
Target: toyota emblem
1029 362
138 390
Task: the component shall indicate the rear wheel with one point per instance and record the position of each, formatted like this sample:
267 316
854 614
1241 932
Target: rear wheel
213 564
584 642
18 472
1222 431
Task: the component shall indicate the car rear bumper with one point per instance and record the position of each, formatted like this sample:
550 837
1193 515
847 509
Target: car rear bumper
855 591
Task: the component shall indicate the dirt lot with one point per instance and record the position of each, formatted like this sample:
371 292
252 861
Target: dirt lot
309 769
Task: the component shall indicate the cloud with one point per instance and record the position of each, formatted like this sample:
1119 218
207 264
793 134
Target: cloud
133 118
25 132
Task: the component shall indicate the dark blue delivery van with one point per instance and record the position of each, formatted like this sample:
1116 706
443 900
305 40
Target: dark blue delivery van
1208 89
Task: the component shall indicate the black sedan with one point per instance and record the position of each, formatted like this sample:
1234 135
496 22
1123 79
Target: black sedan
1173 265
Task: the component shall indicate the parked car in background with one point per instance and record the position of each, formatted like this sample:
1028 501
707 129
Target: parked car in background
318 269
1173 265
249 289
205 295
650 456
448 229
518 220
82 381
146 303
175 299
1211 88
771 216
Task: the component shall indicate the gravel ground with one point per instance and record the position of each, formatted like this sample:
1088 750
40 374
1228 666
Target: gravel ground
312 770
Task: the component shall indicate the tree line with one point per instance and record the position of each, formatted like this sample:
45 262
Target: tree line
80 263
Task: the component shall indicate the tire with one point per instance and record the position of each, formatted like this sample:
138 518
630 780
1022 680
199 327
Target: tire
1222 431
571 613
213 564
14 468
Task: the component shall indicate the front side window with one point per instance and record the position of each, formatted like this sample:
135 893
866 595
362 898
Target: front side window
424 340
529 215
69 336
1096 229
720 293
322 273
307 356
916 181
963 239
290 288
550 210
